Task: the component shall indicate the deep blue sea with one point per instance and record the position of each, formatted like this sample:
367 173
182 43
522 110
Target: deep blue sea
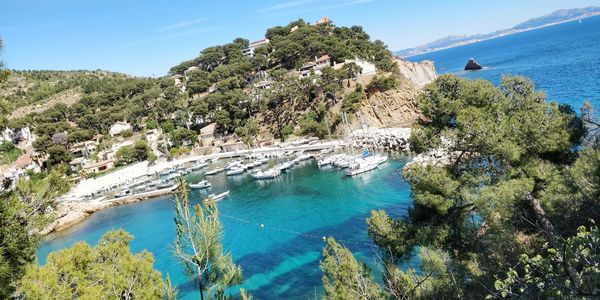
281 260
562 60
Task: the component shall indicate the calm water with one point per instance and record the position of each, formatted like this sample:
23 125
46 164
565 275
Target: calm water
562 60
277 263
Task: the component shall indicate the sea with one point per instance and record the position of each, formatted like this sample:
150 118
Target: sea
275 229
562 60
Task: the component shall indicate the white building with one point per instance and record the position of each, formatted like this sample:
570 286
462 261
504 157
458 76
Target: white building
119 127
250 50
367 68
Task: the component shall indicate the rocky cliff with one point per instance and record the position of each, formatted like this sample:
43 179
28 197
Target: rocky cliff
420 73
397 107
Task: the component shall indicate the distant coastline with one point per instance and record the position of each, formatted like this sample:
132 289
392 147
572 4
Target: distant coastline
501 33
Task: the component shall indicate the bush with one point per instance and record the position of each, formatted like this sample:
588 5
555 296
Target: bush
9 153
382 84
351 102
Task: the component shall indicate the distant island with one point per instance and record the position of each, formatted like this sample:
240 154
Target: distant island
557 17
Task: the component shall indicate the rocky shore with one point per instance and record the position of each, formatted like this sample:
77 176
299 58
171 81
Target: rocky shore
382 138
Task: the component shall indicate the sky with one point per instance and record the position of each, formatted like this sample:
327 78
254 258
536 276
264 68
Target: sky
147 37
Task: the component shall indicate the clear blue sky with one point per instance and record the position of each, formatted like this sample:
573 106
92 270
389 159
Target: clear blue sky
147 37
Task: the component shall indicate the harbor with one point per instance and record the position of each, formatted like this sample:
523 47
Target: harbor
297 209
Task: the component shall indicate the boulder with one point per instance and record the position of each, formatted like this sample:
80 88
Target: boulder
472 65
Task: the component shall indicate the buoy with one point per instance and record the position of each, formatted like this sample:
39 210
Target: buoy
262 225
324 239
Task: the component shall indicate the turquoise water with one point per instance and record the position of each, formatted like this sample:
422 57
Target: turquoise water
562 60
281 260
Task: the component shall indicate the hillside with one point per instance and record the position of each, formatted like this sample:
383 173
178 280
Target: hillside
297 81
559 16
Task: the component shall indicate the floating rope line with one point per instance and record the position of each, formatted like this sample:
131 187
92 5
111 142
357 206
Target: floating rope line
302 234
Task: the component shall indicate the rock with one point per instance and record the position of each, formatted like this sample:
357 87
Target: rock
472 65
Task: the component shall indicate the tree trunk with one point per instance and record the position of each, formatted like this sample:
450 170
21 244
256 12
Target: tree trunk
541 217
201 289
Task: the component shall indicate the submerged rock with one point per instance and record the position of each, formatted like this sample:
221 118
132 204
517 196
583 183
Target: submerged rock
472 65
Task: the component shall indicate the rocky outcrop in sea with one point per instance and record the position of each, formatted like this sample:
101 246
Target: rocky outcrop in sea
472 65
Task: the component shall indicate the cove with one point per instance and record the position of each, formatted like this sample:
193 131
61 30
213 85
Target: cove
281 260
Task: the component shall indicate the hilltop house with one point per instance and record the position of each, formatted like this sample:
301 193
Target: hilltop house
316 66
250 50
323 21
367 68
119 127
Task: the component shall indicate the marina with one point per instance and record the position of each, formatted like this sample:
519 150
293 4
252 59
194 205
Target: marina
309 202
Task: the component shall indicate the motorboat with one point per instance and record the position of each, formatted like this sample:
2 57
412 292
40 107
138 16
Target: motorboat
235 171
204 184
214 171
218 197
199 165
268 174
285 165
164 184
233 164
365 164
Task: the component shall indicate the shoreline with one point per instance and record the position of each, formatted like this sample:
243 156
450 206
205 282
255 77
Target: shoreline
72 212
475 41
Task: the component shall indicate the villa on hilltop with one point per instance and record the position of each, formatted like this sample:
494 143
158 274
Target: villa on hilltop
252 46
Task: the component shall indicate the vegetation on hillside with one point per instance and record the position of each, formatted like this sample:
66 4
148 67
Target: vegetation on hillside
514 213
219 87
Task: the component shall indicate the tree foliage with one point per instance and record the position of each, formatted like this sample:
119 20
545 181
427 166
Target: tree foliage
501 216
107 271
198 245
22 215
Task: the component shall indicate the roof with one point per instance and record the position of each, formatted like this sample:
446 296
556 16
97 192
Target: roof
323 20
23 160
325 57
98 164
121 123
210 128
229 143
258 43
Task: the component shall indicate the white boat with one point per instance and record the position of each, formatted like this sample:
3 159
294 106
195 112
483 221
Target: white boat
214 171
361 167
365 164
218 197
164 184
285 165
204 184
233 164
235 171
263 160
214 160
199 165
268 174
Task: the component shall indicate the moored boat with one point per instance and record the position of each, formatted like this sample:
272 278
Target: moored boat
268 174
214 171
235 171
218 197
204 184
